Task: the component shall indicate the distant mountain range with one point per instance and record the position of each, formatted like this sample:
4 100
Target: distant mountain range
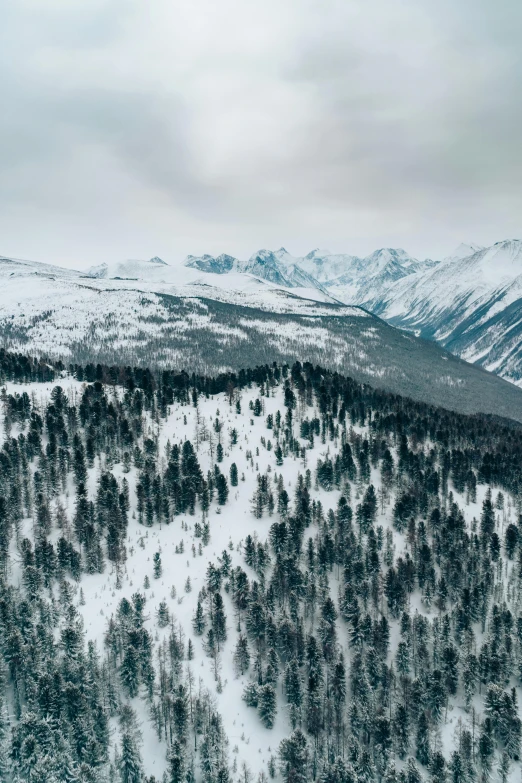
216 314
469 302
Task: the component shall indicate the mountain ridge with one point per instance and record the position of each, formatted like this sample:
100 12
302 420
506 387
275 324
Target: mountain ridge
457 301
180 317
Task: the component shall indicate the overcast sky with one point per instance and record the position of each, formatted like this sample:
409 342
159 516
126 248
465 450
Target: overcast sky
133 128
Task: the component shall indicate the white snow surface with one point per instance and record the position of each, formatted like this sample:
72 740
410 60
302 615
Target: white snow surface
469 287
459 295
249 740
25 283
474 279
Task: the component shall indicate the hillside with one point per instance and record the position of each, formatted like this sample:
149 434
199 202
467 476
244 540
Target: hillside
472 305
470 302
279 574
209 323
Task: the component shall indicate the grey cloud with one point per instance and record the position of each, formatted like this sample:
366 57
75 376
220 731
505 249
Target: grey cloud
345 124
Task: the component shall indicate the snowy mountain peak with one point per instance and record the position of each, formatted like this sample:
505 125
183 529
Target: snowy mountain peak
514 243
390 261
317 253
464 250
101 271
386 255
501 261
509 247
390 252
263 256
158 260
219 265
224 258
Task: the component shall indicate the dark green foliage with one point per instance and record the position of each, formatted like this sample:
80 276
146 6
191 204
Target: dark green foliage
320 575
267 705
294 758
242 655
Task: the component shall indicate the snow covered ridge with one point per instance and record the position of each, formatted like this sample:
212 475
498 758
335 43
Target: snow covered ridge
320 266
21 282
151 314
470 302
278 576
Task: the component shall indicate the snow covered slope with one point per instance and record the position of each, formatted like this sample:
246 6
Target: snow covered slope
471 304
148 312
348 278
369 278
277 267
133 268
195 576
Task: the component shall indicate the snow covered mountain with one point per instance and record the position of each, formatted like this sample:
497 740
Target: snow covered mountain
131 269
464 250
151 313
349 278
277 267
368 279
471 304
219 266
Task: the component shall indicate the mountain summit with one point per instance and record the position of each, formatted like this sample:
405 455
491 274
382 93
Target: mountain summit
470 301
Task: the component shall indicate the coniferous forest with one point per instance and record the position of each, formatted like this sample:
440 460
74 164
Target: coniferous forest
278 574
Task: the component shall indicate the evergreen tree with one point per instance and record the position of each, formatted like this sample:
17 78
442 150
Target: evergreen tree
267 705
294 758
241 655
130 761
177 764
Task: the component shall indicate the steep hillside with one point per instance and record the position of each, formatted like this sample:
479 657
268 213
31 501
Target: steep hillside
469 302
369 279
472 305
273 575
185 318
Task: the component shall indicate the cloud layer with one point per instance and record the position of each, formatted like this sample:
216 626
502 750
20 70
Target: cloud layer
134 129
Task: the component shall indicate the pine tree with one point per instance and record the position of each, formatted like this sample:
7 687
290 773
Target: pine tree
222 489
157 565
457 772
129 670
199 621
177 764
401 730
4 739
241 655
423 740
163 615
219 619
267 705
293 683
130 761
294 758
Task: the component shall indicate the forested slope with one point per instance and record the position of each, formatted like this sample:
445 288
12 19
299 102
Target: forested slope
278 573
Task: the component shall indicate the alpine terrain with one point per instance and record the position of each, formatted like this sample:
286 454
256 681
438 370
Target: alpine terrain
260 500
217 315
470 302
275 574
